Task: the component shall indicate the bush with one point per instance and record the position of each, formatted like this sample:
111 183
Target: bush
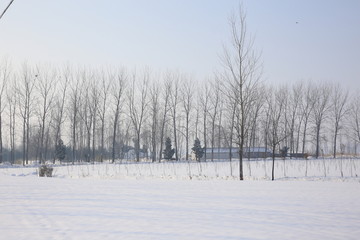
168 151
60 150
198 150
45 171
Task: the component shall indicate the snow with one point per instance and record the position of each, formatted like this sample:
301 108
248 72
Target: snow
255 170
86 202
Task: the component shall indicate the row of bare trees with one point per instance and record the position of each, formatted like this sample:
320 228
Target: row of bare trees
101 114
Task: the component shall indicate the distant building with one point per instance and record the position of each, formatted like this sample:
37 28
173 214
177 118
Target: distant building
131 154
224 153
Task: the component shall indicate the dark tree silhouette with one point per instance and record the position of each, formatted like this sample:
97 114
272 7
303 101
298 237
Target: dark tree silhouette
198 150
60 150
168 151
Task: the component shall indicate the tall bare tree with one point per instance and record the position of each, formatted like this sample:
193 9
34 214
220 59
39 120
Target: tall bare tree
118 91
4 78
24 88
138 103
187 93
166 104
354 120
242 75
230 114
103 98
86 113
155 106
197 117
276 104
12 103
214 111
253 133
95 100
205 101
307 107
293 111
339 110
320 112
175 100
60 101
74 107
46 88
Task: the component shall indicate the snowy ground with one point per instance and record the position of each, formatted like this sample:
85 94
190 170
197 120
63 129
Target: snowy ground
94 202
313 169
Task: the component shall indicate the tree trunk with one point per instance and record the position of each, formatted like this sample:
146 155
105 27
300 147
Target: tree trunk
335 140
187 136
273 164
304 136
317 141
205 140
27 137
175 135
24 141
114 136
74 138
137 145
94 134
102 139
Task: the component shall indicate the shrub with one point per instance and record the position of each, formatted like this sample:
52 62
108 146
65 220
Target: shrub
45 171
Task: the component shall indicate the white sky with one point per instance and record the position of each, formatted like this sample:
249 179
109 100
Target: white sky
187 35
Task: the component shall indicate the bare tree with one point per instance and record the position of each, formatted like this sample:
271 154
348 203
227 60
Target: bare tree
354 120
243 72
154 98
231 111
339 100
104 92
276 104
254 117
60 105
228 131
46 88
95 99
197 118
12 102
138 103
175 100
187 102
297 99
166 104
321 97
24 89
213 112
307 107
4 78
266 122
74 106
86 113
118 91
293 111
205 101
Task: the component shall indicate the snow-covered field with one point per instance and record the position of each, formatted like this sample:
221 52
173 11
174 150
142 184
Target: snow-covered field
159 201
255 170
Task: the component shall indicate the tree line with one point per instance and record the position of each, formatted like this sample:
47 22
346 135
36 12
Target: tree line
102 114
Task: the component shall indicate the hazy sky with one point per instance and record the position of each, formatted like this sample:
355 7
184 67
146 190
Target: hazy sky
303 39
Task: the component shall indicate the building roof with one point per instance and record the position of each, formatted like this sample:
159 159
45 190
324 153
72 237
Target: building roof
235 150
